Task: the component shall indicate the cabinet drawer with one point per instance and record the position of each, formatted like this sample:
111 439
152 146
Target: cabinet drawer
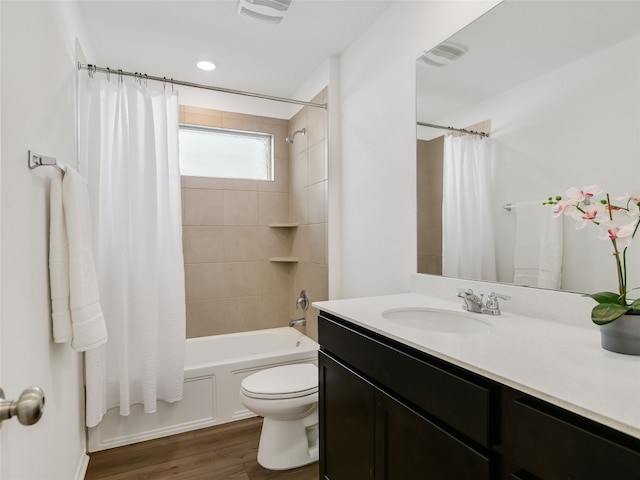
550 446
456 401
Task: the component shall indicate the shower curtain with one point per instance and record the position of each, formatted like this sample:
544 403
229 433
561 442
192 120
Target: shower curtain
468 246
128 140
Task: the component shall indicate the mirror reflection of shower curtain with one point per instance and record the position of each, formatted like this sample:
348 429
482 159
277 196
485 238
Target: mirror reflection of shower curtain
129 155
468 246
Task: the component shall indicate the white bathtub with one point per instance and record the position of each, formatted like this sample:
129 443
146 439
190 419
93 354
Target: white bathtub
214 368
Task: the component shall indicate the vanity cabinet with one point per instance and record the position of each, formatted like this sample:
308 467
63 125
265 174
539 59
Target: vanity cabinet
388 411
378 422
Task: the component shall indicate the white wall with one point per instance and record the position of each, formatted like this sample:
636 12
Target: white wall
377 176
38 113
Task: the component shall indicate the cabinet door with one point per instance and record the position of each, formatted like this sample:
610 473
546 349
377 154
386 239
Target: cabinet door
346 422
409 446
556 445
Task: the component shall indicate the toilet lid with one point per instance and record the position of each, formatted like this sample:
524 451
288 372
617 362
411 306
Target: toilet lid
287 381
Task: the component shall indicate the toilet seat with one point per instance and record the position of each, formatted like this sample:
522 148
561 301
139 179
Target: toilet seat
287 381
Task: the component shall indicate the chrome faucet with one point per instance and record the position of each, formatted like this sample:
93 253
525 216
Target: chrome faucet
477 304
471 302
303 301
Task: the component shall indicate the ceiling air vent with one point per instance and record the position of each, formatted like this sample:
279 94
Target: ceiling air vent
269 11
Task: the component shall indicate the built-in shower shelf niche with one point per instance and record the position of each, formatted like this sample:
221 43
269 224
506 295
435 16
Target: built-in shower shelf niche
283 225
287 225
284 259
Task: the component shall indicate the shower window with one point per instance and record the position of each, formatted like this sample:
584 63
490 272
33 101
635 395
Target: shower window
223 153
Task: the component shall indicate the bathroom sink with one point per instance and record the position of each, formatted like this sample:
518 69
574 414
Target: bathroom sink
439 320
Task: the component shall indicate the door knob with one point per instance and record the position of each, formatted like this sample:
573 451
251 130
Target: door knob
28 408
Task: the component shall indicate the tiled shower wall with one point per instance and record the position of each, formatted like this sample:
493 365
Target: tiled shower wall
308 203
429 203
231 285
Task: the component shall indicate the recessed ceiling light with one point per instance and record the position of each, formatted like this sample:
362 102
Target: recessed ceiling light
206 65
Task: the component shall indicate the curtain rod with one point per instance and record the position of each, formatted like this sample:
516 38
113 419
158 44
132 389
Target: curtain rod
142 76
461 130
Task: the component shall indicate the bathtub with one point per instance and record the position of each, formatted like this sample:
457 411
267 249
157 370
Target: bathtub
214 368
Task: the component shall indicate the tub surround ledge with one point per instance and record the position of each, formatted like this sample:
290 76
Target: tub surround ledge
559 363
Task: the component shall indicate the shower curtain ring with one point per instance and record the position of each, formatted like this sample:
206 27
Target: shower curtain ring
146 80
108 74
119 75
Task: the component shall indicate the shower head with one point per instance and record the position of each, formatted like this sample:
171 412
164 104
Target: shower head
290 138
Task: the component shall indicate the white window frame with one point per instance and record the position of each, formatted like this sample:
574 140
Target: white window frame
245 133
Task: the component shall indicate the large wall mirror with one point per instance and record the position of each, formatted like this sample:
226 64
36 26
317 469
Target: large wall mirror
556 85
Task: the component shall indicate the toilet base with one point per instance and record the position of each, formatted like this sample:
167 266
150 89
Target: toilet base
287 444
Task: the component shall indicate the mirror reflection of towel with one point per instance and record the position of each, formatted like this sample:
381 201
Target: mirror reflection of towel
537 260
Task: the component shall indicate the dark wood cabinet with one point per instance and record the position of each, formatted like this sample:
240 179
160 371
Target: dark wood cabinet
347 409
390 412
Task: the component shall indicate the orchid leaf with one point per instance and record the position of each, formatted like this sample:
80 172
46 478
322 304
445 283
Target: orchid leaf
607 312
635 305
604 297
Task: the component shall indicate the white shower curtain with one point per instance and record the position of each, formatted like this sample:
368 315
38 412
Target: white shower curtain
128 136
468 246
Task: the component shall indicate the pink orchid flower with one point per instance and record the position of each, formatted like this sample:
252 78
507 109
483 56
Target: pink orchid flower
621 233
564 206
585 193
591 213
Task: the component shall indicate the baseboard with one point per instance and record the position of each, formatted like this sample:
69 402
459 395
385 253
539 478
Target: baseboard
83 464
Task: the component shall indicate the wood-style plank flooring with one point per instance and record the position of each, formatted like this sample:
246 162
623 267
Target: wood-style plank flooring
223 452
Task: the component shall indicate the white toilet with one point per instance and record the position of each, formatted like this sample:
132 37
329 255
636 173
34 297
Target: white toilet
287 398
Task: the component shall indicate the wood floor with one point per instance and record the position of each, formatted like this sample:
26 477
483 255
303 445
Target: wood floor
224 452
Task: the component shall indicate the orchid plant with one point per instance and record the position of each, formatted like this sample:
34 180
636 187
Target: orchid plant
618 222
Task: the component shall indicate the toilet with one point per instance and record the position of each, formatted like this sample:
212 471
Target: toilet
287 398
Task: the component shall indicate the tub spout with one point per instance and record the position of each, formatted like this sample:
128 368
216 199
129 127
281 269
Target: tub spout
298 323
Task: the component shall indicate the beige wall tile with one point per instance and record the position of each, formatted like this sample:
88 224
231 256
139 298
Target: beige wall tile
201 120
206 317
212 183
276 242
204 281
274 310
240 208
203 244
317 246
316 125
317 202
241 279
316 164
236 121
273 207
301 244
241 244
298 206
274 278
202 207
243 314
298 172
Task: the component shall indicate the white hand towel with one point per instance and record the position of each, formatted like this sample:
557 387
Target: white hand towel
537 258
87 320
59 265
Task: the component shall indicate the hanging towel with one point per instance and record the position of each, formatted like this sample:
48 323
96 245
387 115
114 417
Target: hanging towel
59 265
537 258
75 300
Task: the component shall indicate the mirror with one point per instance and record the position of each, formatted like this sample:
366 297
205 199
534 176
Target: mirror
557 85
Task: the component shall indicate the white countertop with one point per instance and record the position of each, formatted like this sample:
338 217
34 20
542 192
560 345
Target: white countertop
561 364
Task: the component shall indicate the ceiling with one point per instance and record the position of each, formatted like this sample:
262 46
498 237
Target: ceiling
517 41
163 38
